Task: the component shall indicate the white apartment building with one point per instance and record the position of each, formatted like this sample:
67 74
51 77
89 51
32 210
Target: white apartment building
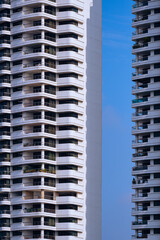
50 119
146 89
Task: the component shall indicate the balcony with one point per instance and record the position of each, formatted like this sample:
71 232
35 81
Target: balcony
140 100
5 185
140 45
140 168
140 154
39 170
5 28
4 211
140 181
140 4
136 223
5 172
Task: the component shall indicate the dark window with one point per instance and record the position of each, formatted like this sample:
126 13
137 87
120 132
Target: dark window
157 65
17 207
65 9
157 134
17 233
157 10
17 23
157 24
157 106
156 189
17 10
17 220
157 51
18 180
17 115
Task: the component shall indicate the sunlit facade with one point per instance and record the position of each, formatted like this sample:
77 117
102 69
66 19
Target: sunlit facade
50 119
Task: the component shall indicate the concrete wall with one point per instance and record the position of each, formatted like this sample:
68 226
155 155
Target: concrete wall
94 120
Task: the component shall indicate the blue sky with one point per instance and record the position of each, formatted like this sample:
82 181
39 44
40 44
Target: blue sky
116 212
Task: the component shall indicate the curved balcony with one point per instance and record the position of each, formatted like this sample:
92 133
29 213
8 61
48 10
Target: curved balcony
146 5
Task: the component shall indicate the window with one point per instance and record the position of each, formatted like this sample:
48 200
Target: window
157 24
17 220
157 106
68 62
50 155
68 35
156 189
17 115
50 50
17 141
157 10
17 102
157 65
68 127
65 194
17 168
68 114
157 38
50 23
17 154
156 203
68 101
157 134
157 217
64 49
65 9
17 23
37 23
157 79
68 140
68 22
50 76
156 175
157 148
157 52
17 89
157 231
68 154
63 220
65 75
15 63
68 206
68 180
157 120
17 233
17 10
67 233
17 207
67 167
37 76
157 161
18 180
15 76
18 128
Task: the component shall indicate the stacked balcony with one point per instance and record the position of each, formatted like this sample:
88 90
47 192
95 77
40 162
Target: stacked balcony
146 103
42 120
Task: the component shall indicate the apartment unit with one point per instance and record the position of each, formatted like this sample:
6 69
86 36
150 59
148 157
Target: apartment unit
146 118
50 119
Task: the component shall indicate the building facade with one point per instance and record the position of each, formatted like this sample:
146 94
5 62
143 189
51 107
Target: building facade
50 119
146 116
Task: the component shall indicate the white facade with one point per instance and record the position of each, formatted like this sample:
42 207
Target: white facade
146 89
50 119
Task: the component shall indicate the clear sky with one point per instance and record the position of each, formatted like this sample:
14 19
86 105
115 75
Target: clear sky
116 212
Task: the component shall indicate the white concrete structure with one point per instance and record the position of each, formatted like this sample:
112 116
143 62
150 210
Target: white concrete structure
146 90
50 119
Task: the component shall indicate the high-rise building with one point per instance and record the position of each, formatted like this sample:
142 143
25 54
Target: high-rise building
50 119
146 89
